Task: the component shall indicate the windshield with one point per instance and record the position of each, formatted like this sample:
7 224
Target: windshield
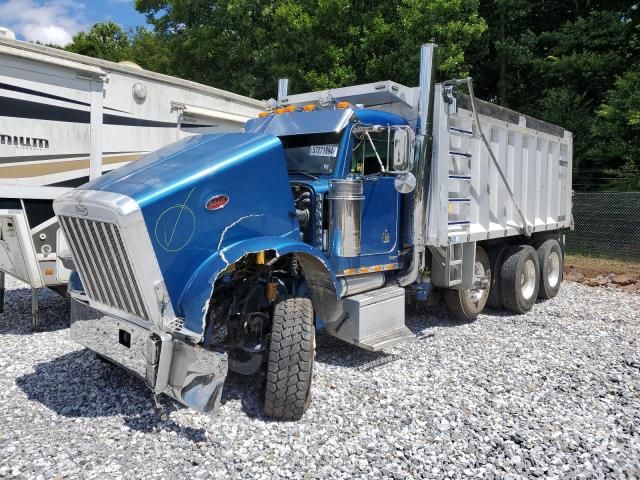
316 154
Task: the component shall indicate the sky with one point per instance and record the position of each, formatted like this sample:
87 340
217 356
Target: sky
56 21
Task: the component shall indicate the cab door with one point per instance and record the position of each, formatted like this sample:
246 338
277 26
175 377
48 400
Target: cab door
381 208
380 216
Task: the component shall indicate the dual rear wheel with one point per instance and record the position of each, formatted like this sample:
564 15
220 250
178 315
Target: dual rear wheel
509 277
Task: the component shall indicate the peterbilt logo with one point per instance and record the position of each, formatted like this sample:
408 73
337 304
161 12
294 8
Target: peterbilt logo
82 211
217 202
24 142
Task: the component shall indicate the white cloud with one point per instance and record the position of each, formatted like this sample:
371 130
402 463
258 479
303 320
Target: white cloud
46 34
45 21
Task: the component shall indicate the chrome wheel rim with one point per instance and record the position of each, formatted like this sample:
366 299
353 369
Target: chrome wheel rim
553 269
528 279
481 281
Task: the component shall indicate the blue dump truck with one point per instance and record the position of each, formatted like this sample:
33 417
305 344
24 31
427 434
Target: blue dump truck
332 210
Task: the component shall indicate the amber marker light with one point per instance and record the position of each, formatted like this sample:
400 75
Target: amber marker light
262 114
342 105
309 108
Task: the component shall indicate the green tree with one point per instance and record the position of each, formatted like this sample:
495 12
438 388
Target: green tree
104 40
150 51
246 45
109 41
616 132
556 61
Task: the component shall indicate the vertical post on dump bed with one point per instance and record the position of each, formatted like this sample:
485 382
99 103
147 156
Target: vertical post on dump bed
422 165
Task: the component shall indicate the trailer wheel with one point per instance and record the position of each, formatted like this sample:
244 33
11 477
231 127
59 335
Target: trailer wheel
520 275
467 304
496 256
550 260
290 364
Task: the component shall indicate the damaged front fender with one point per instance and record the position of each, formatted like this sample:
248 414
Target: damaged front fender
320 277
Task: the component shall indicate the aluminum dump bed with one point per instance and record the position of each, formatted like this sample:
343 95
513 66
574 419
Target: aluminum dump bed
469 199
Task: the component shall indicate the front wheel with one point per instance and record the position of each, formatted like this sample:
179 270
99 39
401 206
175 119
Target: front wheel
467 304
291 352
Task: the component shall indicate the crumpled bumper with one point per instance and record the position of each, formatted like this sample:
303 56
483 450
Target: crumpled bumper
184 371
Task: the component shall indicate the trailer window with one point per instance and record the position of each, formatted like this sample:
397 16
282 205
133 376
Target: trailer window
315 154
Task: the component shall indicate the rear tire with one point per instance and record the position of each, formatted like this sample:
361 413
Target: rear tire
467 304
496 255
290 367
551 262
519 278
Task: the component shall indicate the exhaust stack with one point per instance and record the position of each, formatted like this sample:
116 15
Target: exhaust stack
417 228
283 89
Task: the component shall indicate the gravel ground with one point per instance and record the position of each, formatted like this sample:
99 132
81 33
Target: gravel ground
553 394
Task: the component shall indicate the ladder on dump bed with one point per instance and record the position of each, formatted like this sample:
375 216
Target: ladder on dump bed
460 159
450 208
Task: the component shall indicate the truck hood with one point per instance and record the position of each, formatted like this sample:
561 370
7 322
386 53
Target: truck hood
173 185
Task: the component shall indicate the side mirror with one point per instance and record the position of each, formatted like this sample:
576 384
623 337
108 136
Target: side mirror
403 144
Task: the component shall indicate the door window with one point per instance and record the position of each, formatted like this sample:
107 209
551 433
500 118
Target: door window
370 152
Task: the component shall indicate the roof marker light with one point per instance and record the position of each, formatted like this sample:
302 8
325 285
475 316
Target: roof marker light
342 105
262 114
289 109
309 108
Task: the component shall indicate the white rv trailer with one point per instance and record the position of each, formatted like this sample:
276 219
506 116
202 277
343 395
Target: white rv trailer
67 118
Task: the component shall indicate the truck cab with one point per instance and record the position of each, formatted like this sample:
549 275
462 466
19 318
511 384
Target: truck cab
342 163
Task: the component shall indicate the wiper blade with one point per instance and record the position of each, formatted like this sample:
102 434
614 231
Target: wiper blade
302 172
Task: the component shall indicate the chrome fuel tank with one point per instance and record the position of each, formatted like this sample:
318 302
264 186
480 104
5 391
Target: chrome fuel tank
345 216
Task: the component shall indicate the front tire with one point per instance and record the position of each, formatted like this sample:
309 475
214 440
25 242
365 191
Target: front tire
467 304
290 366
519 278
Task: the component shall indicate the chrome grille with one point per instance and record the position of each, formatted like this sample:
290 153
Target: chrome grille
104 266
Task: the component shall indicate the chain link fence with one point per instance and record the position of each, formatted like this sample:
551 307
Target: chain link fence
607 225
